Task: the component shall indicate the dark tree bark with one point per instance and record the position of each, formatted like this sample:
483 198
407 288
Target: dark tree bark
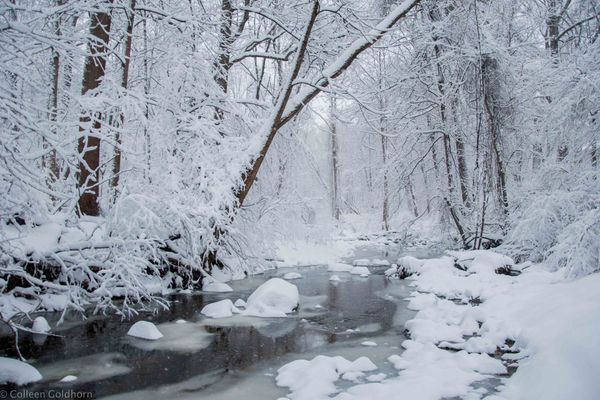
89 142
490 100
53 109
227 36
124 84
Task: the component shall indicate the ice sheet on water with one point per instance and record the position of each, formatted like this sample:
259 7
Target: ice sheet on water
177 337
360 271
90 368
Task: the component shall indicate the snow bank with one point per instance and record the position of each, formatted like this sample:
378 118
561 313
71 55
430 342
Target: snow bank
363 262
557 325
220 309
554 325
144 330
315 379
428 373
17 372
274 298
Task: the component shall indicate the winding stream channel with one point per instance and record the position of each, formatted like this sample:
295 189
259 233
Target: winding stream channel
228 358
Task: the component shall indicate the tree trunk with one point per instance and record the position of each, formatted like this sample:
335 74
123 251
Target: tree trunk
335 203
386 190
53 109
124 85
226 39
89 142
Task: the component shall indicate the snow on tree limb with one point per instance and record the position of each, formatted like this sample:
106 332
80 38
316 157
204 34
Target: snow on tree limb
345 59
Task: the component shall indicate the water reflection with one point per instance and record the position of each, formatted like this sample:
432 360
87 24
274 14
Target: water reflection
108 362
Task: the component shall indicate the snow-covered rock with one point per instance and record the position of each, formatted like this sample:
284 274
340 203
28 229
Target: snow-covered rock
360 271
68 378
274 298
216 286
40 325
369 343
220 309
315 379
144 330
292 275
17 372
240 303
334 278
406 267
481 261
363 262
411 264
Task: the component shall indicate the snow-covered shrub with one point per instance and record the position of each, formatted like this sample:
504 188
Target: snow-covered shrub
577 247
561 224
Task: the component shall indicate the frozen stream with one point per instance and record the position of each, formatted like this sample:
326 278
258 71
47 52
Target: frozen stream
233 357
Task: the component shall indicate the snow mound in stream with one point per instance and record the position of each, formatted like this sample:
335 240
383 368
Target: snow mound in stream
144 330
220 309
292 275
216 286
274 298
17 372
40 325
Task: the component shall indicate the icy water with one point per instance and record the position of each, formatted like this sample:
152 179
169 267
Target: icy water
228 358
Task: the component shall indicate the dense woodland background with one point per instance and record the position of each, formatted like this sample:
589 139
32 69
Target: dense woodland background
148 139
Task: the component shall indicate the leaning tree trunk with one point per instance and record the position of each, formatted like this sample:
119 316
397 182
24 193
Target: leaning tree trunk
282 115
89 142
